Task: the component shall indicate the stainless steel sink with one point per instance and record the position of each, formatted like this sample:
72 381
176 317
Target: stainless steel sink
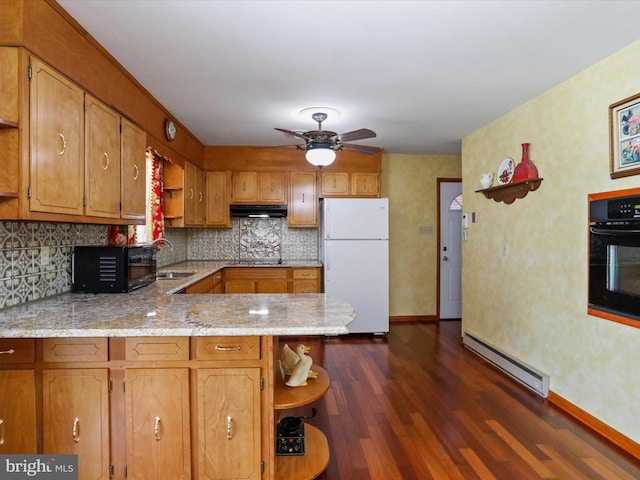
173 275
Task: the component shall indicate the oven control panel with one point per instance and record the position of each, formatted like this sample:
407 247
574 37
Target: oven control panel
615 209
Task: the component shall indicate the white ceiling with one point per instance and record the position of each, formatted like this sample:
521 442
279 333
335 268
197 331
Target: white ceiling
421 74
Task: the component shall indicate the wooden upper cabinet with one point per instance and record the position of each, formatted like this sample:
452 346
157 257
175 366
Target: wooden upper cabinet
259 187
365 184
272 187
102 152
194 195
334 184
353 184
303 200
217 207
134 171
57 142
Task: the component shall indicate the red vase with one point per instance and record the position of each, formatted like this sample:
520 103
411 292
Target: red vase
525 169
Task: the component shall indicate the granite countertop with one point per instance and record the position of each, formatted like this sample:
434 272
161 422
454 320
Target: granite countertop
156 310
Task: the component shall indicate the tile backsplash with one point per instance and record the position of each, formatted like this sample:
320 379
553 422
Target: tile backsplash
35 257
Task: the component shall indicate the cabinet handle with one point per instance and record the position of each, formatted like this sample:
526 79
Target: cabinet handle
106 160
244 186
136 171
64 144
156 429
220 348
303 198
75 430
201 197
229 433
191 194
11 351
1 432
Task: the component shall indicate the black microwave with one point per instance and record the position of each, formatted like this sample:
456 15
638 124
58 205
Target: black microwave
113 269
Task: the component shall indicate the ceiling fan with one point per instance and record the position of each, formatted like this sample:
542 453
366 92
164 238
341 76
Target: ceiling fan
321 145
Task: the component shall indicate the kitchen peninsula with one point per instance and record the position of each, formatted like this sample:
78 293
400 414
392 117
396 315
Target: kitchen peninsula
155 384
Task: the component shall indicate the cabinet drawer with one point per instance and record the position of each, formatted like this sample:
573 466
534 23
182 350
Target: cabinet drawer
75 350
305 273
305 286
17 350
156 348
228 348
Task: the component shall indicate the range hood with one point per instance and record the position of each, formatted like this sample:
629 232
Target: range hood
259 211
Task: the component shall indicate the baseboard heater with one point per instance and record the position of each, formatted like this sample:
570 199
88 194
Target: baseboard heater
525 374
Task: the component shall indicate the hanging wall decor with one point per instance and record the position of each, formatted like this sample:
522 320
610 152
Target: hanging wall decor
624 137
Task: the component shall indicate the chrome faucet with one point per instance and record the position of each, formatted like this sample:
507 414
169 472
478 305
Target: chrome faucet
165 240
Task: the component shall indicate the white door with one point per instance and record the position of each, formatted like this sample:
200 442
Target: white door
450 250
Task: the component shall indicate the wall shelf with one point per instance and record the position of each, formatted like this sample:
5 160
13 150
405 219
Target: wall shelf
510 192
288 397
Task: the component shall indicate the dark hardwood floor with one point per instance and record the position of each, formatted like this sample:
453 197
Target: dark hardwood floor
418 405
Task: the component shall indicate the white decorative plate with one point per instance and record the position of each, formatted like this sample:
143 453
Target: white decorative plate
505 171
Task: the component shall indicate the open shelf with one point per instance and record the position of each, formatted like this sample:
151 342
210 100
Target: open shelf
509 192
292 397
309 465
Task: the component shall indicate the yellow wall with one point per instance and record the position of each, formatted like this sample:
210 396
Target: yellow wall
532 303
410 182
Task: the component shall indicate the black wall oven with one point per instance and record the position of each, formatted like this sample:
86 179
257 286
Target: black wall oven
614 258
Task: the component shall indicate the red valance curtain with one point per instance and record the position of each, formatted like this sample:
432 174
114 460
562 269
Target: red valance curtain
155 218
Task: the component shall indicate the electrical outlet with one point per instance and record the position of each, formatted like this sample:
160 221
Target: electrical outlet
44 256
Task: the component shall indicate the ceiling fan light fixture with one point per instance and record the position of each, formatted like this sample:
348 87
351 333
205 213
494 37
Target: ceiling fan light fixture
320 154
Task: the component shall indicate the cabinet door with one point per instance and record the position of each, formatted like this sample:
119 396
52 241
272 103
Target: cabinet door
245 187
190 193
272 286
134 171
365 184
240 286
272 187
18 412
57 142
334 185
102 157
157 424
75 417
229 423
200 197
217 211
303 202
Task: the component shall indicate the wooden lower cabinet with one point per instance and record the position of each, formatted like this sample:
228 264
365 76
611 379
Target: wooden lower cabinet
229 423
271 280
18 412
174 408
157 423
75 417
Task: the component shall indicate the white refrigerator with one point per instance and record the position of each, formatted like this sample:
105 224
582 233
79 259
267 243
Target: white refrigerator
354 251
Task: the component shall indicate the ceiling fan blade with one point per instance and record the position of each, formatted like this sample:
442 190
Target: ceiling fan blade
356 135
291 133
359 148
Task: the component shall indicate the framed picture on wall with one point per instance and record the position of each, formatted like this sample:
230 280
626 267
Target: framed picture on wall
624 137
